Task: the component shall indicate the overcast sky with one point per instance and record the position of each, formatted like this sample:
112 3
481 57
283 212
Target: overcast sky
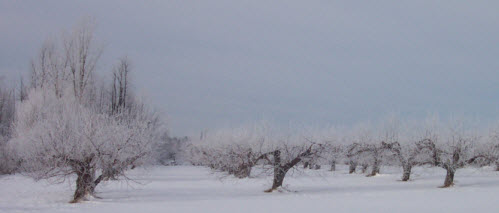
207 64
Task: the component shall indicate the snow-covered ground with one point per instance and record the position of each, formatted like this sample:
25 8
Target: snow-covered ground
197 189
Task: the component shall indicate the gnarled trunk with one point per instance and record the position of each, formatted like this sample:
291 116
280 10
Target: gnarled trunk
374 171
451 167
85 181
407 172
84 185
333 166
449 178
364 168
352 166
278 178
375 167
279 172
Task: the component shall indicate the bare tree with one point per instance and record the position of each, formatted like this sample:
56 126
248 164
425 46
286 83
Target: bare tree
236 160
234 151
120 87
455 153
490 150
286 158
407 155
49 69
365 150
332 154
80 57
352 158
371 154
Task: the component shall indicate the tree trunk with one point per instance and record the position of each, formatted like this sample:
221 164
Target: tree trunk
84 186
364 168
305 165
497 166
352 167
375 170
407 172
243 171
333 166
279 172
449 178
85 181
279 175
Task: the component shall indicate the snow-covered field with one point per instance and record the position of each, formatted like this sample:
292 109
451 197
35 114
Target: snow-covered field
197 189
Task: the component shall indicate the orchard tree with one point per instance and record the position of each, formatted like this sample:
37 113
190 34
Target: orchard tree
490 149
231 150
332 142
287 157
352 157
365 149
408 156
455 152
59 137
332 154
237 150
61 127
401 147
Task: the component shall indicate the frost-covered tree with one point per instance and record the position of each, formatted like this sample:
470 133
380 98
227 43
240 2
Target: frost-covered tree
365 150
407 154
401 149
81 55
452 150
64 127
286 157
231 150
7 110
332 142
169 150
416 146
237 150
332 154
59 137
489 150
352 157
49 69
120 90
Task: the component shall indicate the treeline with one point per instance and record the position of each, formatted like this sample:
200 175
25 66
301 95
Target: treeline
365 148
7 110
70 119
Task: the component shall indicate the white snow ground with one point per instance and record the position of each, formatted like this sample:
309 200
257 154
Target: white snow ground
196 189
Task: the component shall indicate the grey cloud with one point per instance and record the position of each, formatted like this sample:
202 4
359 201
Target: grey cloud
212 63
